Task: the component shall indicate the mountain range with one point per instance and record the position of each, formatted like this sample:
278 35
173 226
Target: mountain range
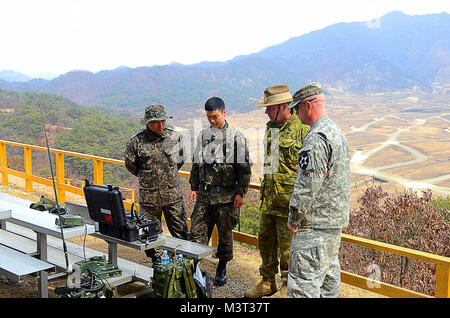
391 53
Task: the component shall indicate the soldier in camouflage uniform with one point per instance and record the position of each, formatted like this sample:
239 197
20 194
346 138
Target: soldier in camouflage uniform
219 180
320 204
282 141
154 155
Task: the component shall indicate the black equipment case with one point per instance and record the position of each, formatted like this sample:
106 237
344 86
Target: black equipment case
105 206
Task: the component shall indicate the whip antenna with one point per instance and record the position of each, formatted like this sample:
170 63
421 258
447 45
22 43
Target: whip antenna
54 189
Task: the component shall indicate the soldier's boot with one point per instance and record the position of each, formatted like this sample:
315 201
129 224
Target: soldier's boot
282 292
221 274
267 286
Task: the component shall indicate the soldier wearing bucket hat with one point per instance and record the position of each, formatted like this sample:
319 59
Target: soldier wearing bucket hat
320 203
154 112
283 139
154 155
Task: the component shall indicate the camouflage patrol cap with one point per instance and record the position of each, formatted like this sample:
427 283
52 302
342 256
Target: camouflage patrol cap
154 112
305 92
275 95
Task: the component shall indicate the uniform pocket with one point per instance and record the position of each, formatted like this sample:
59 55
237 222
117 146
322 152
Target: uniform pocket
227 175
235 216
172 151
283 188
146 156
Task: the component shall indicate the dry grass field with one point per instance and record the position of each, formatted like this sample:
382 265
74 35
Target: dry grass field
402 137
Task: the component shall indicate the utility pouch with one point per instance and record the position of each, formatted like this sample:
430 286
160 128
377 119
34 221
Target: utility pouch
174 280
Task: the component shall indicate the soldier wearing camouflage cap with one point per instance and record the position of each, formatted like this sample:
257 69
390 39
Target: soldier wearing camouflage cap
320 204
282 140
154 155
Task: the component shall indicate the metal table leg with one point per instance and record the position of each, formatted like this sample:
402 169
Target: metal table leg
112 253
43 275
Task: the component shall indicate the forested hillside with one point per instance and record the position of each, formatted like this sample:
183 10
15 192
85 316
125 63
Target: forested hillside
71 127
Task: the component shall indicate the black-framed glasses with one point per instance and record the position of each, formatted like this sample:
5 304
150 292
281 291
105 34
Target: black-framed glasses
296 107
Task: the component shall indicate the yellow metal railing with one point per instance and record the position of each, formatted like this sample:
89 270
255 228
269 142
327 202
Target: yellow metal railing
442 288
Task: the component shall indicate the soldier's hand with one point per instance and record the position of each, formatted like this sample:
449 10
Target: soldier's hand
292 229
238 201
193 196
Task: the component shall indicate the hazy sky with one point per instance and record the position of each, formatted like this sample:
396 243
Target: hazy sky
57 36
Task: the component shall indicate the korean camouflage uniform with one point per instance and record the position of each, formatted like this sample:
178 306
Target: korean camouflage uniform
220 171
282 142
155 160
319 208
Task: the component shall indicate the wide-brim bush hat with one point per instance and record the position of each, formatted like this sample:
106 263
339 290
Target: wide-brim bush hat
275 95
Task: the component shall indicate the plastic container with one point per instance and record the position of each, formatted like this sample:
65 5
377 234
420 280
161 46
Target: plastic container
165 259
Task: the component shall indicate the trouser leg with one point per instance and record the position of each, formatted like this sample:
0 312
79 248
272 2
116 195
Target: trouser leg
284 237
153 213
226 218
176 220
205 217
201 224
313 267
331 287
268 246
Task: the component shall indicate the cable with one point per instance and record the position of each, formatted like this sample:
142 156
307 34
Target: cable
84 242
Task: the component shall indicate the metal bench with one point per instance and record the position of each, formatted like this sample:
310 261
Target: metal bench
24 240
15 264
191 249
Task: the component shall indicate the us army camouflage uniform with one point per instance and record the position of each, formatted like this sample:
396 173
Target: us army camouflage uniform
280 173
155 160
220 171
319 208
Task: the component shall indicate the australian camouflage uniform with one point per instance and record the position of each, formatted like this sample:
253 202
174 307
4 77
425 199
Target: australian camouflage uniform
319 208
282 142
155 160
220 171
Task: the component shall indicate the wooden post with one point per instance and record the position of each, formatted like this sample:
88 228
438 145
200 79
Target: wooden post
28 169
215 239
3 163
60 177
98 171
442 289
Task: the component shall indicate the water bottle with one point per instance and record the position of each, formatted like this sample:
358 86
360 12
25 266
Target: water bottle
165 258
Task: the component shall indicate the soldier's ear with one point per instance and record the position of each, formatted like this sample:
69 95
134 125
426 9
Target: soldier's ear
224 112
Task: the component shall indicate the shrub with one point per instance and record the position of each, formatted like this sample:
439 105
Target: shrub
402 219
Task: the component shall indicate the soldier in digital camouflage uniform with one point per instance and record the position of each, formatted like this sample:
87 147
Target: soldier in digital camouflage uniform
320 204
154 155
283 140
219 180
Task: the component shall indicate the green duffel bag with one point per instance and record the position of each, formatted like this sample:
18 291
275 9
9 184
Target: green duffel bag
174 280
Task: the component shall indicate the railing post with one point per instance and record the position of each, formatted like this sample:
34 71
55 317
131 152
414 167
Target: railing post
98 171
3 163
60 177
28 169
215 239
442 289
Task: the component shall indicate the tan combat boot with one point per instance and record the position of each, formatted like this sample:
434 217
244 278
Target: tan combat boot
265 287
281 293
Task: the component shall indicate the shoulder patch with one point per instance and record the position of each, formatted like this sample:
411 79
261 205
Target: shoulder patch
304 158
